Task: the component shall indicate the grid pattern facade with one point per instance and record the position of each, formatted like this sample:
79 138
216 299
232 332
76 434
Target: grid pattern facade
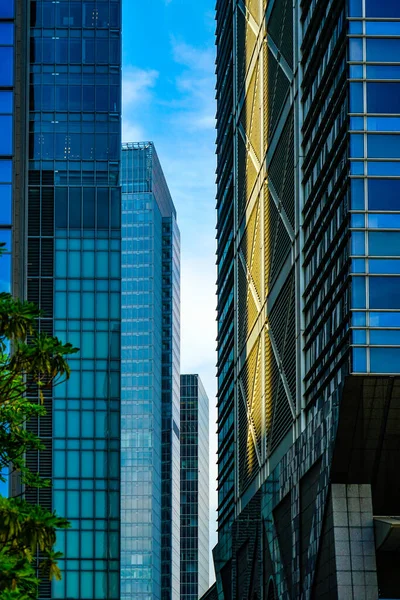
315 257
375 169
73 206
194 488
150 380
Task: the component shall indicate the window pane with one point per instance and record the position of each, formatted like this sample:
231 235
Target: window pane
379 8
384 292
385 337
384 243
6 33
6 136
384 97
383 146
6 66
6 8
385 360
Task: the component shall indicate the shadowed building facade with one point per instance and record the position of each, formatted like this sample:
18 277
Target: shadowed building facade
308 235
150 391
195 508
60 80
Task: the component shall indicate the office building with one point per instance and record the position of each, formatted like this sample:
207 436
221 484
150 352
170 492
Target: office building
195 538
150 408
308 298
60 80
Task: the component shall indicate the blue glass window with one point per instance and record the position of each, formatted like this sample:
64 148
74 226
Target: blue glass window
385 337
384 97
6 137
385 360
382 50
356 49
385 243
356 98
6 9
357 194
384 292
358 243
5 273
358 319
383 146
384 266
384 194
6 66
6 34
358 299
355 8
356 145
6 102
382 169
359 336
379 8
355 27
383 72
383 124
5 203
383 27
384 319
383 221
359 360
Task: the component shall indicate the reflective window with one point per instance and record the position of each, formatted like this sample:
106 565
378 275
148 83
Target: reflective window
356 146
379 319
380 72
383 27
6 9
356 49
5 203
383 123
383 97
383 169
385 337
355 8
357 194
6 66
384 243
383 146
384 266
359 360
356 98
6 33
6 102
383 221
385 360
379 8
384 292
6 137
382 49
358 298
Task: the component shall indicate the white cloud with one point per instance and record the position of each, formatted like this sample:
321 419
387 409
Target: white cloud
136 85
137 89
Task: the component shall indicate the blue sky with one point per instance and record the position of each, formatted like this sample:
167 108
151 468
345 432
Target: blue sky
169 98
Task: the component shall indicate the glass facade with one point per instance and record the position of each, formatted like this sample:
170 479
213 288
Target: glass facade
375 168
194 488
72 206
150 380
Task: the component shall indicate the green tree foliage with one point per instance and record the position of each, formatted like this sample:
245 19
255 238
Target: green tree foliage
29 363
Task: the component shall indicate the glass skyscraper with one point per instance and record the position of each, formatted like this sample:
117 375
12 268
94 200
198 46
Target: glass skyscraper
60 80
195 508
308 124
150 409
